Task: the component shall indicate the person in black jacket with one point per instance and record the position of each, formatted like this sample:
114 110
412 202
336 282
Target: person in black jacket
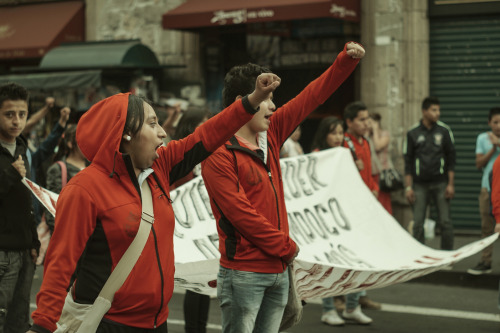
429 155
19 243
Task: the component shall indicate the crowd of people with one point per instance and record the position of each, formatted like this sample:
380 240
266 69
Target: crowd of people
119 158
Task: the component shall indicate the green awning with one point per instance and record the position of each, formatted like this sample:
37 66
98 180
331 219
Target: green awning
57 80
95 55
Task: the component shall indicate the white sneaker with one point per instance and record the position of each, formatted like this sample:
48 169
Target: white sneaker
357 316
332 318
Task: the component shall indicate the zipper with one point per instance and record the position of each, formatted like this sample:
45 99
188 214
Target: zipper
277 205
161 276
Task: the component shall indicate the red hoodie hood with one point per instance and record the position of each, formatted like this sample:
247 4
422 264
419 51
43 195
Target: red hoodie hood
100 130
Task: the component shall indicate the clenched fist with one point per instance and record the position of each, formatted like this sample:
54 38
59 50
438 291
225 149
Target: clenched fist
265 84
19 166
355 50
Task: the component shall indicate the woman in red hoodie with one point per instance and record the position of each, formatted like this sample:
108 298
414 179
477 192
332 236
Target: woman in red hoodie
99 210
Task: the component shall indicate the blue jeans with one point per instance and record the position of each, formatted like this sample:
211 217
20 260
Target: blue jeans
251 302
18 318
11 263
423 194
328 304
352 300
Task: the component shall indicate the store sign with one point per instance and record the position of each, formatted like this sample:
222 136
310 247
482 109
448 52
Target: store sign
342 12
239 16
6 31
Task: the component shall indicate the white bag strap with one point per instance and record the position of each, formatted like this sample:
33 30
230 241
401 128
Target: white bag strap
129 258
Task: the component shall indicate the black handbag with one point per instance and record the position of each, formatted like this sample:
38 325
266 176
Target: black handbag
390 180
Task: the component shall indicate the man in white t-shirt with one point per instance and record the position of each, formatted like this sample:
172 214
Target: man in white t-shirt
487 150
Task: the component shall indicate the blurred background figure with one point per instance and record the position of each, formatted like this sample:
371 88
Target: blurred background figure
68 161
196 306
379 140
330 134
292 147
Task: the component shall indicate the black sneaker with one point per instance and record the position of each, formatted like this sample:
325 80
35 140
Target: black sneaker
480 269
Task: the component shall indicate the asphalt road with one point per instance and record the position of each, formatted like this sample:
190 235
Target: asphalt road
409 307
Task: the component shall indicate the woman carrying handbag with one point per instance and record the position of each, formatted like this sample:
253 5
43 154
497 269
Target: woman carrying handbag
100 212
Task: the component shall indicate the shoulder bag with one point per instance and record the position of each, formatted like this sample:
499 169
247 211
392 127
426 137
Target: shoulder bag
85 318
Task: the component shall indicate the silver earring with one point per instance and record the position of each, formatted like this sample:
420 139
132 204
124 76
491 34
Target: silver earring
128 138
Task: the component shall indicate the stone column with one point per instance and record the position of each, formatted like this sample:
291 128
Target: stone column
395 73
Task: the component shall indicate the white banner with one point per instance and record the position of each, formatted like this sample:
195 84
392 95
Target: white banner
348 242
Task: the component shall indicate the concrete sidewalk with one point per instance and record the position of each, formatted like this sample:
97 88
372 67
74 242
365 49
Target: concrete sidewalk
458 276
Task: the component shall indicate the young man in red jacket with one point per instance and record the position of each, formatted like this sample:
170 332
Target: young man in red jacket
356 118
243 180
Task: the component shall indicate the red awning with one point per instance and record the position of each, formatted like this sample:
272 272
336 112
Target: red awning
29 31
203 13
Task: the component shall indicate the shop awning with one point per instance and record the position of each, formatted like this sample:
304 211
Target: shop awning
57 80
29 31
202 13
108 54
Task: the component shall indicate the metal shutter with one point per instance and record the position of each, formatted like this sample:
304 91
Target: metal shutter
465 76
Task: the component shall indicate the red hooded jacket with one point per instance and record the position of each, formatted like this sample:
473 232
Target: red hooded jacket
98 215
246 193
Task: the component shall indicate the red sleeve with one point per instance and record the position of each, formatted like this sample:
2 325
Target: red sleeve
495 190
65 248
221 183
290 115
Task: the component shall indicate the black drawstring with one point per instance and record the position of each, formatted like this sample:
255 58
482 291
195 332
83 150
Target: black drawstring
236 169
113 171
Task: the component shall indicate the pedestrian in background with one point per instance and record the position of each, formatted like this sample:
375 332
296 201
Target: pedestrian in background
429 155
292 147
487 150
330 134
19 243
379 140
195 306
69 160
357 118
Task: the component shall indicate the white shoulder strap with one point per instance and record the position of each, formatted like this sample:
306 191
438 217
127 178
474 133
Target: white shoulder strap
129 258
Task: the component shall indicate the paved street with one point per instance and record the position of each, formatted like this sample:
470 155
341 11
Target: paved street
445 301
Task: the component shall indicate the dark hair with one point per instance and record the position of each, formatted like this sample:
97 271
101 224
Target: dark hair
240 81
69 135
325 127
428 101
190 120
351 110
493 112
14 92
135 114
376 116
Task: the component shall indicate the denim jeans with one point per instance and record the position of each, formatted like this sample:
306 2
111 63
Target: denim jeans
328 304
424 192
11 263
18 317
352 300
251 302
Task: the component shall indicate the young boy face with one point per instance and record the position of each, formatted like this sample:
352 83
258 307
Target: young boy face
261 120
13 115
494 124
359 125
432 113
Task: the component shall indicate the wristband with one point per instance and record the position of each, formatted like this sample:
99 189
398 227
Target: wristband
408 188
248 107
